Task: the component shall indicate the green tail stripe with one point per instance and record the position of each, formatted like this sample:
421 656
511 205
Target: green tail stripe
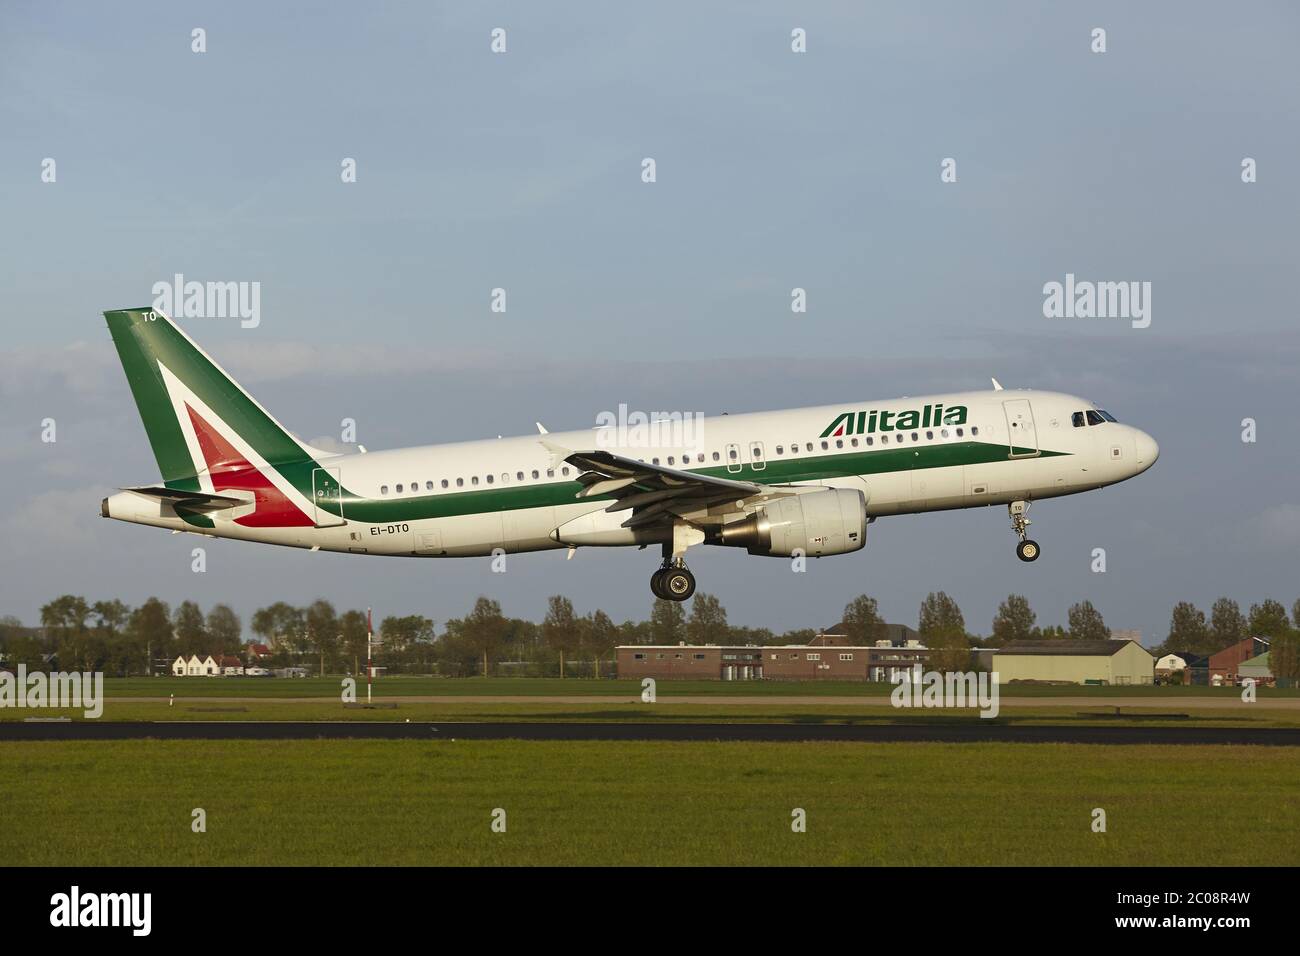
142 342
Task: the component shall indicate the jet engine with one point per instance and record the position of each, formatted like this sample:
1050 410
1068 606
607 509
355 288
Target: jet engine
833 521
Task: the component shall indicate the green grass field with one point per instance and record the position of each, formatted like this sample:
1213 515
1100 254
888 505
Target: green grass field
406 802
1255 715
571 687
818 702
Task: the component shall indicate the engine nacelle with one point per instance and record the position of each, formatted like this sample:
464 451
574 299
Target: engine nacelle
833 521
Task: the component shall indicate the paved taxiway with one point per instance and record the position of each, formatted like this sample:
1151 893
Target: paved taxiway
881 700
973 732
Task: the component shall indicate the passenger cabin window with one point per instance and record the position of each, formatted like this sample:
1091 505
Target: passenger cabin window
535 474
460 482
489 479
399 489
444 482
473 480
974 429
716 456
383 489
428 486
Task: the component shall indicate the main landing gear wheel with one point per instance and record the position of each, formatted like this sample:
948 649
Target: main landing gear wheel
657 584
678 584
1027 550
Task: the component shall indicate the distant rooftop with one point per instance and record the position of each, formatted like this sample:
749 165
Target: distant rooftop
894 633
1068 646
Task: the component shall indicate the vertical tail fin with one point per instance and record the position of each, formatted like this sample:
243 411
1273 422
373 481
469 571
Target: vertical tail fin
207 433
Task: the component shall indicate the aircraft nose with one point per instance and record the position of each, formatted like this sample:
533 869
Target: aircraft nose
1146 449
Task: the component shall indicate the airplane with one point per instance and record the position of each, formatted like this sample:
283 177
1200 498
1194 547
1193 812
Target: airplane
803 482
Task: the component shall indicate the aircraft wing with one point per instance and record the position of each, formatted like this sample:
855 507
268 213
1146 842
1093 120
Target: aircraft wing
654 492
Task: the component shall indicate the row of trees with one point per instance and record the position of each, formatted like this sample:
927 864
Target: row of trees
109 636
1190 630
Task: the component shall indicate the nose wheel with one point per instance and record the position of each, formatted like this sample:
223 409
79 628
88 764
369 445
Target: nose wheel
1026 550
673 583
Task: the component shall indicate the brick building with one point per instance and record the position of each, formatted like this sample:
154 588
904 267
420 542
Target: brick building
828 656
1224 664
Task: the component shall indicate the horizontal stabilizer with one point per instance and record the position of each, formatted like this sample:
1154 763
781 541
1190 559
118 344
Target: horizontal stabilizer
193 500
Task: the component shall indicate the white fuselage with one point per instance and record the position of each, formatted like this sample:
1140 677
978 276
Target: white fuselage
512 494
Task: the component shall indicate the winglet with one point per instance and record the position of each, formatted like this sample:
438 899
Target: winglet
558 452
541 429
997 386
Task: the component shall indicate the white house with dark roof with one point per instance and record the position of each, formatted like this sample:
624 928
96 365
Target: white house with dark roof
195 666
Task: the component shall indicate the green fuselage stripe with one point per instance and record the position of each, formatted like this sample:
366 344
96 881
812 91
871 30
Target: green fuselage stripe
778 472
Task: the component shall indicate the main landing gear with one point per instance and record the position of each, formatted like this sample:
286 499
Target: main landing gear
1026 550
674 581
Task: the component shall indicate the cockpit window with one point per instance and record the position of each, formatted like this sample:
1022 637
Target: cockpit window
1108 416
1094 418
1078 420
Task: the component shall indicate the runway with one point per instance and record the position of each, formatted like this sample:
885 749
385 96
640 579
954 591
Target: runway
744 700
976 731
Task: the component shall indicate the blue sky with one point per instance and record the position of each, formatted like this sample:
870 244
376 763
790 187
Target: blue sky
775 170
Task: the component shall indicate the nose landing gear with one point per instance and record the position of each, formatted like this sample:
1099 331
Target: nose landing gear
1026 550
